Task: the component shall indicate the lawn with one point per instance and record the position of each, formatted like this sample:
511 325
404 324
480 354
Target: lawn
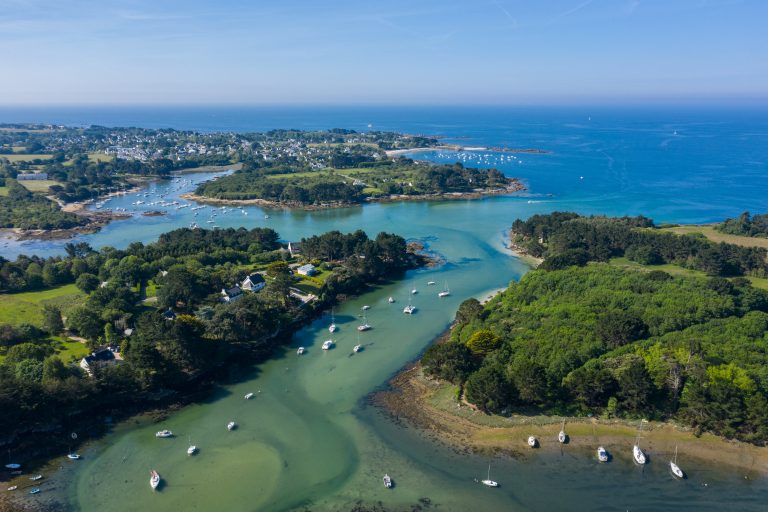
69 350
25 158
100 157
38 185
17 308
667 267
3 191
313 284
708 230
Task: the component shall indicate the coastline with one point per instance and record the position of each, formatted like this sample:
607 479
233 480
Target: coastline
515 187
457 147
431 406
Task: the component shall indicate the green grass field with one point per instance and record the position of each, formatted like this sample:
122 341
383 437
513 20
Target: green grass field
100 157
708 230
38 185
17 308
3 191
25 158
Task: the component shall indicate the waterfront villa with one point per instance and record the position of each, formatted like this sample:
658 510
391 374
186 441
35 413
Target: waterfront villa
231 294
253 283
101 357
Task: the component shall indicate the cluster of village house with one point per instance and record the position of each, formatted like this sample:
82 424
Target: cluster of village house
252 283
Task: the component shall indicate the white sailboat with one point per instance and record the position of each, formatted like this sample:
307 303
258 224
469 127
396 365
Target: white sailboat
391 300
248 396
387 481
488 481
364 326
675 468
602 455
410 308
637 454
446 292
164 433
327 344
562 436
300 350
154 479
532 441
332 328
73 456
231 425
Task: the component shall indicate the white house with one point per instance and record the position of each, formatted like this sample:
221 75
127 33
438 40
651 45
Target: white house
101 357
253 283
32 176
307 270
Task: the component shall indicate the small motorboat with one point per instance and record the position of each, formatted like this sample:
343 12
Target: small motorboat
327 344
387 481
35 490
430 283
364 327
192 450
13 487
532 441
13 466
248 396
602 455
366 307
357 348
300 350
154 479
409 309
414 291
73 456
676 471
638 455
164 433
391 300
231 425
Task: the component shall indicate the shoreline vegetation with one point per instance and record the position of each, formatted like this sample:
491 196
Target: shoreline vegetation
566 343
175 317
431 406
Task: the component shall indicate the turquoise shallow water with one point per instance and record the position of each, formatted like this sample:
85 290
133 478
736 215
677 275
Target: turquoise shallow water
308 439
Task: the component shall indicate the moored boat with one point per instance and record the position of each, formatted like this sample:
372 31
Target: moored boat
231 425
391 300
638 455
327 344
562 437
532 441
73 456
154 479
164 433
676 471
387 481
35 490
366 307
248 396
13 487
488 482
13 466
36 477
357 348
192 450
446 292
300 350
602 455
409 309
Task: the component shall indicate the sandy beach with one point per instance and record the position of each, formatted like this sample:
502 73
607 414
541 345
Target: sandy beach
432 407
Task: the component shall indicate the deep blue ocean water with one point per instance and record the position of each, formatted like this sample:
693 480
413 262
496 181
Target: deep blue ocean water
676 164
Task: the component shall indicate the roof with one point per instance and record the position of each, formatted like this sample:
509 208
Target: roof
255 278
231 292
102 355
306 268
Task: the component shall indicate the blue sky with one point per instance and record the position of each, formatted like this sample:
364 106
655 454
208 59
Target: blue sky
381 51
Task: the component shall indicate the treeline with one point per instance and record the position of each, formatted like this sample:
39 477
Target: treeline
169 343
745 225
564 239
617 343
20 208
291 183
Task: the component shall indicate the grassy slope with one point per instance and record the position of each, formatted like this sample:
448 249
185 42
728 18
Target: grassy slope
16 308
38 185
25 158
708 230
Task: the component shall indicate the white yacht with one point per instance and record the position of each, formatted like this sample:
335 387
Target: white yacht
446 292
409 309
602 455
332 328
532 442
300 350
391 300
248 396
154 479
36 477
192 450
637 454
73 456
164 433
231 425
387 481
414 291
430 283
357 348
675 468
13 487
366 307
562 437
488 481
327 344
364 326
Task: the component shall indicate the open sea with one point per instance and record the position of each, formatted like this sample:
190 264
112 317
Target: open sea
308 441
